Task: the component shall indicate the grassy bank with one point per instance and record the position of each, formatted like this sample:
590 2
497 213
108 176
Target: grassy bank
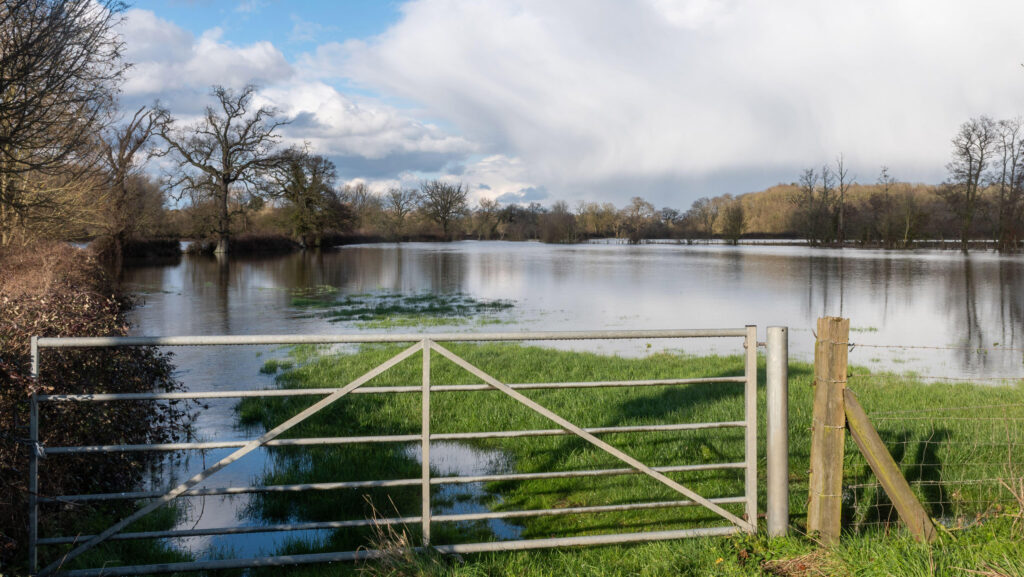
991 540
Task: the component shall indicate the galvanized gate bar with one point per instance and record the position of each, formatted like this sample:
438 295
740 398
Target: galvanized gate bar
377 390
248 448
388 438
77 342
629 460
448 518
364 554
200 492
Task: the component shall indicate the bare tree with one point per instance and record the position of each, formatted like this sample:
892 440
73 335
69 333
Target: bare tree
231 147
635 218
733 220
1009 182
444 202
805 201
487 218
557 225
704 213
972 151
124 152
398 205
822 219
60 66
366 205
842 174
882 209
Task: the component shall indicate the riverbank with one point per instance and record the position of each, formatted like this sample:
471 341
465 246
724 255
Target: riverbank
974 539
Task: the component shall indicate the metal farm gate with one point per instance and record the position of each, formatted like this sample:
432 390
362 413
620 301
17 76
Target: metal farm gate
430 344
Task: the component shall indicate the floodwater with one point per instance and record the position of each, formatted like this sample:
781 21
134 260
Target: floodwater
963 316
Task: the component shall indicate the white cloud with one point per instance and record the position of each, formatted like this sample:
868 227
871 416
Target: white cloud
590 92
499 175
167 59
490 177
365 137
339 125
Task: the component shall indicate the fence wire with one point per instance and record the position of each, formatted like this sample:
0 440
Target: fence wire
958 440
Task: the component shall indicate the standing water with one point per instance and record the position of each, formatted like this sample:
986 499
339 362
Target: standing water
948 304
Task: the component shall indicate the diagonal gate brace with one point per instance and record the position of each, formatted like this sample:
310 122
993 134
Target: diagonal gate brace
241 452
631 461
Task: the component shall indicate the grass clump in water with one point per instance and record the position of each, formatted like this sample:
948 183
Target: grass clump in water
390 310
273 365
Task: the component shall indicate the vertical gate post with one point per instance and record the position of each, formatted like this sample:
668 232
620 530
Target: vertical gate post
33 463
777 436
828 429
750 414
425 445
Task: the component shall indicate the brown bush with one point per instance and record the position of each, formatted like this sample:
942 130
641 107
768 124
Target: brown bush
56 290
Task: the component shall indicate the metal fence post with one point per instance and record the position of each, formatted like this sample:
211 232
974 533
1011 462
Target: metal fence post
425 445
750 416
33 463
777 437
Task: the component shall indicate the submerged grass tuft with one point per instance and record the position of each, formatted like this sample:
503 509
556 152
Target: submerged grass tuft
388 310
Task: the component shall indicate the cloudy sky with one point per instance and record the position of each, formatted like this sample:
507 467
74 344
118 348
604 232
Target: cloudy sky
603 100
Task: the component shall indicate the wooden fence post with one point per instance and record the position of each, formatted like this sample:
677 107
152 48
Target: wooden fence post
828 436
887 471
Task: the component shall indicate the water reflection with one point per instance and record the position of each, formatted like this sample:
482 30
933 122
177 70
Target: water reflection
921 298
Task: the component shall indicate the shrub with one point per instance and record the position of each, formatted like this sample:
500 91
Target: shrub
56 290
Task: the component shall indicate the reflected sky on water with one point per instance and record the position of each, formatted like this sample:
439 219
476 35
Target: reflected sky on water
928 298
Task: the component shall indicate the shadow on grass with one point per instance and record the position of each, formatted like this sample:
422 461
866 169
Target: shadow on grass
871 506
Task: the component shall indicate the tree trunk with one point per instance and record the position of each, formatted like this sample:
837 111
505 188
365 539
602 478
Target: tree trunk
224 226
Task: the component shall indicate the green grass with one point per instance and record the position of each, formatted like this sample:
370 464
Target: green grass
113 553
395 310
959 449
271 366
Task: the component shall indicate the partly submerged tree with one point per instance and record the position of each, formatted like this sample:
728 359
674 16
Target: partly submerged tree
232 149
60 67
444 202
635 219
486 218
733 221
845 180
313 207
1008 181
704 213
399 203
973 147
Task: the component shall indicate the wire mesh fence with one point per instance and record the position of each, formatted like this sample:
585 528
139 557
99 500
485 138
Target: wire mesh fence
958 440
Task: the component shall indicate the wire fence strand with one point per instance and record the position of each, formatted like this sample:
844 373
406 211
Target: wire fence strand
961 448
